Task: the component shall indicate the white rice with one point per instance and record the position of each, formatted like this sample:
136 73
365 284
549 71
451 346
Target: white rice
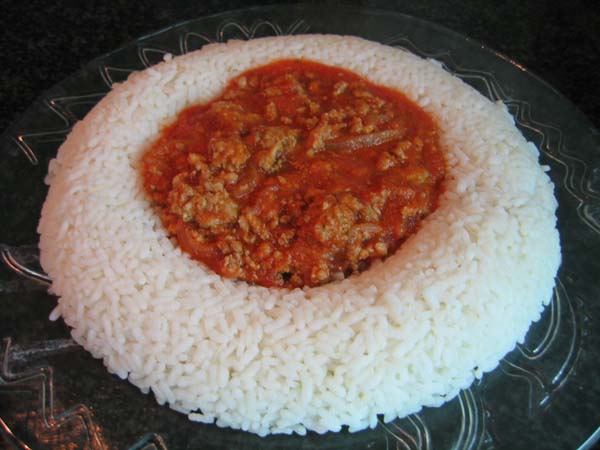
409 332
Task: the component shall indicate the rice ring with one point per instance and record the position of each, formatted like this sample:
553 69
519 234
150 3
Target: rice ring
409 332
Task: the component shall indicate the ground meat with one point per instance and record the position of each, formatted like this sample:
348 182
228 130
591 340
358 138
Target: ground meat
228 153
333 224
326 129
299 174
272 145
208 204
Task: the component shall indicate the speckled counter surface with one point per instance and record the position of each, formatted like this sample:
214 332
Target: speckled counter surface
43 43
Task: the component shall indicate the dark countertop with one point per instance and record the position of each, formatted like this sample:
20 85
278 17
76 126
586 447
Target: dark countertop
43 43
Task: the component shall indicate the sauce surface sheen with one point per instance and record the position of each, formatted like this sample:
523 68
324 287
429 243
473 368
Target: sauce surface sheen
297 175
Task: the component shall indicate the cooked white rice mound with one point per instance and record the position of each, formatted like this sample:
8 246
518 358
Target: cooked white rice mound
409 332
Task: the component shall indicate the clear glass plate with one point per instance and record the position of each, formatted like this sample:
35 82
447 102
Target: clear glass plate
544 394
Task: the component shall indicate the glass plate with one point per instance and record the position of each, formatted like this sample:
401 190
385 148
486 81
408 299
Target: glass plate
544 394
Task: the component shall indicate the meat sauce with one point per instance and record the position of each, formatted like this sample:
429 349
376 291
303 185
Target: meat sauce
297 175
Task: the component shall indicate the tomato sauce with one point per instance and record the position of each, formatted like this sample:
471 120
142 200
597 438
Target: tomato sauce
297 175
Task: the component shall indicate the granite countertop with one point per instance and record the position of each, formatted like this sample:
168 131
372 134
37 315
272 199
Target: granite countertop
42 43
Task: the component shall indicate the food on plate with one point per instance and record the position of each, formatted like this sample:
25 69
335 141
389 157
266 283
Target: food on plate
297 174
410 331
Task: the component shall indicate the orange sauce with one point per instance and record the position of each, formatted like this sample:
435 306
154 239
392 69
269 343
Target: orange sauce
298 174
